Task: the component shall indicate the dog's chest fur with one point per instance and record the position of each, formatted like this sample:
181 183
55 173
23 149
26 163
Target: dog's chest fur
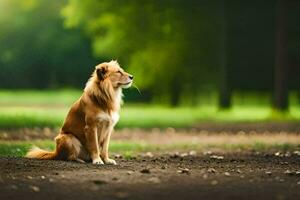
113 118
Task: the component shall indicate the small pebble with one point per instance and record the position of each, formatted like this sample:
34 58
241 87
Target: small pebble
211 170
154 180
277 154
207 153
184 171
214 182
35 188
184 155
129 172
289 172
296 153
227 174
269 173
148 155
287 154
217 157
175 155
118 156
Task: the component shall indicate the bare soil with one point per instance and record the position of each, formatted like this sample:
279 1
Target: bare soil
168 135
244 175
204 128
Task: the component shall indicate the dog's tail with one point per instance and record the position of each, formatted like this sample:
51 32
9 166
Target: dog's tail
38 153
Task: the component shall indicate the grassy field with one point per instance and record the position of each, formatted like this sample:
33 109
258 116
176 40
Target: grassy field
129 148
49 108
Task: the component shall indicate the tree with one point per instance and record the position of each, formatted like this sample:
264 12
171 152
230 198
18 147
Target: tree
280 99
36 51
168 45
224 88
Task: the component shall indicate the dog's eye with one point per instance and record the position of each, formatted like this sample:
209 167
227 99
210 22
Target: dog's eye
119 72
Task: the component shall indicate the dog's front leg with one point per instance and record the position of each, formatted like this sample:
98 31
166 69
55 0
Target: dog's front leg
104 150
92 141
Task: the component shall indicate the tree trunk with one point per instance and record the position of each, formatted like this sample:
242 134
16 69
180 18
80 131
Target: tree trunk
224 85
280 98
175 92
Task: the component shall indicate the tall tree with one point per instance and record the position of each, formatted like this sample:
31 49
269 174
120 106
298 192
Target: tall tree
280 99
224 87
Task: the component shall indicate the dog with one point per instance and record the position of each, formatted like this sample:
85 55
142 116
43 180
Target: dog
86 131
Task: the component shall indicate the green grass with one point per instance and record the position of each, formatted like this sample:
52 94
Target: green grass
44 98
129 149
49 108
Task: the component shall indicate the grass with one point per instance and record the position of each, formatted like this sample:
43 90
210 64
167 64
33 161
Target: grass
129 149
19 109
19 148
48 108
203 141
38 98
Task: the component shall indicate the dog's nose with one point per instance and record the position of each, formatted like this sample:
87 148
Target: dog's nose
131 77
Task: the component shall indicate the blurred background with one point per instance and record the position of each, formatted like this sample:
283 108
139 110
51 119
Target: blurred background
194 60
218 98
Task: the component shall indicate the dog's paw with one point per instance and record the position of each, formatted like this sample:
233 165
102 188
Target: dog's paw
98 161
110 161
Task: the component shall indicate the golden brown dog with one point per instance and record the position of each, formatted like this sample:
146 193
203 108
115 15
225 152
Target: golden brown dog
86 131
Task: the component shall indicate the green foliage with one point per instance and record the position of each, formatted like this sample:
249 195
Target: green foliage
49 108
175 48
36 51
154 39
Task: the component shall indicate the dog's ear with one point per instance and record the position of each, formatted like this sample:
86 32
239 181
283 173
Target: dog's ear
101 72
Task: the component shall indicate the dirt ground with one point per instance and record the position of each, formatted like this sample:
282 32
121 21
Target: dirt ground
202 128
247 175
161 175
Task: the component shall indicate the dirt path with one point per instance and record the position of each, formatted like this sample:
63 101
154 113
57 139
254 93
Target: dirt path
215 128
168 136
227 176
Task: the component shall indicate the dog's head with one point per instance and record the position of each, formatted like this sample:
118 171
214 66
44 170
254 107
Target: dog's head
113 73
